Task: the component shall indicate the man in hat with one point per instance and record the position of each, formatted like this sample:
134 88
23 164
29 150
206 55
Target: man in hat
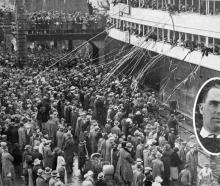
185 178
22 136
192 161
106 149
148 178
116 130
124 168
8 172
158 166
138 173
36 154
52 127
182 154
126 123
172 137
74 117
47 154
172 123
209 108
60 137
36 167
69 149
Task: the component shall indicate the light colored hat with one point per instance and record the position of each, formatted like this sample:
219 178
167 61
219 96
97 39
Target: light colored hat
3 144
95 155
27 147
129 145
54 173
37 161
112 138
147 169
48 170
158 179
128 120
40 172
89 173
138 113
36 147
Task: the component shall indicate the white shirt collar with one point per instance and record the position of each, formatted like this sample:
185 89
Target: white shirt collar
205 134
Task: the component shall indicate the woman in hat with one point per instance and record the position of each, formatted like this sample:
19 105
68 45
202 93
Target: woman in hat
158 181
88 179
47 154
53 180
36 167
148 178
40 181
47 174
205 176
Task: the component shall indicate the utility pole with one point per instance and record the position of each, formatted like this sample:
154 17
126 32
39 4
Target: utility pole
21 33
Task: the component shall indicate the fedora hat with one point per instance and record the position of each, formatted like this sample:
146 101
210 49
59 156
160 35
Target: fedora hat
54 173
37 161
40 172
48 170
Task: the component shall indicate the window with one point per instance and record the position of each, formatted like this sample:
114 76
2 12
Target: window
165 35
202 41
145 30
216 46
159 34
217 7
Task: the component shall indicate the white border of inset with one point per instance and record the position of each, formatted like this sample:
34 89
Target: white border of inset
194 111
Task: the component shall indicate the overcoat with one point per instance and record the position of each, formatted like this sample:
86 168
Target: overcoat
124 168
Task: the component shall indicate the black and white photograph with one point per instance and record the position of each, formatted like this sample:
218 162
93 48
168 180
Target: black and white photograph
207 116
109 92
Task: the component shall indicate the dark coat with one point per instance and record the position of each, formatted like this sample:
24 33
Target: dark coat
100 183
69 149
43 114
124 168
17 154
73 120
210 144
176 162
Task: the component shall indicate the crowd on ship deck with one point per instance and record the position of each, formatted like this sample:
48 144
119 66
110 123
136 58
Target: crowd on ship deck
6 15
172 6
55 21
48 120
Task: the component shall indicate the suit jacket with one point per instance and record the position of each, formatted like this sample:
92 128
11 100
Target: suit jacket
210 144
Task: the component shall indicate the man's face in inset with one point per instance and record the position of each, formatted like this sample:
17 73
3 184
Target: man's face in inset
210 110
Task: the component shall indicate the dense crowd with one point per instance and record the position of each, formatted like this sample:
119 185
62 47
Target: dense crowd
6 15
118 135
55 21
173 7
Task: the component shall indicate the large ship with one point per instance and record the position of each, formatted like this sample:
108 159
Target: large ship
186 33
